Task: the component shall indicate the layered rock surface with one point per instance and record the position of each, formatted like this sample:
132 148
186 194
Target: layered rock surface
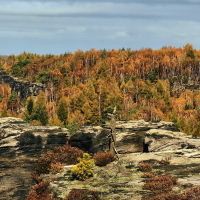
161 139
23 88
17 161
11 128
137 136
131 136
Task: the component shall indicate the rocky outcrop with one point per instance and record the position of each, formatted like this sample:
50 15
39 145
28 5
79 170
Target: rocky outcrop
137 136
23 88
20 145
12 128
132 136
161 140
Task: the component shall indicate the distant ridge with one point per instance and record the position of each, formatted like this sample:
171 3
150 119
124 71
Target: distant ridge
3 56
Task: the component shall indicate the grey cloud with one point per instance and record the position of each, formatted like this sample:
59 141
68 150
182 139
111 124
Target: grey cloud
119 1
100 10
47 26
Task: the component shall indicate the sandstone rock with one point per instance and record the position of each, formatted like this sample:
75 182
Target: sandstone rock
160 139
164 140
135 136
90 139
136 183
11 128
189 181
132 136
23 88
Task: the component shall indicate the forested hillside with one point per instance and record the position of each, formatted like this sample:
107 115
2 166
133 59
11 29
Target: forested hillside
83 87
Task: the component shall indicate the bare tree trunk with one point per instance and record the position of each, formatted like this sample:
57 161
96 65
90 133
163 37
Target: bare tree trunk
112 138
99 103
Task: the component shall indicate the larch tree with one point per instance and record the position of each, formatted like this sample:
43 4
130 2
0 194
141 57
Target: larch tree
29 106
62 111
41 113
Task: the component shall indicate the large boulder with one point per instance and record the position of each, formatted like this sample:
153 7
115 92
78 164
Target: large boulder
165 140
133 136
15 132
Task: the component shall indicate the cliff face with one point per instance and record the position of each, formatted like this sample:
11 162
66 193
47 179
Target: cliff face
21 144
131 137
12 131
23 88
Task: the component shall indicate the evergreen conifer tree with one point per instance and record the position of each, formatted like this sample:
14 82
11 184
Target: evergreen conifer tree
62 110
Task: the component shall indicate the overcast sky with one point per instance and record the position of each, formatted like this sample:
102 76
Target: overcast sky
59 26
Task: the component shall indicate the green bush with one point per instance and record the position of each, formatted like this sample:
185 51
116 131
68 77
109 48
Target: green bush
84 169
73 128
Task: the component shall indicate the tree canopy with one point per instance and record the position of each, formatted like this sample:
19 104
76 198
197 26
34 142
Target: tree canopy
83 87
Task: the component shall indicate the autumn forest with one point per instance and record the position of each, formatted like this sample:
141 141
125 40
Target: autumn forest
84 87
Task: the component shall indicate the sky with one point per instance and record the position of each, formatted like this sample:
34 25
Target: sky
60 26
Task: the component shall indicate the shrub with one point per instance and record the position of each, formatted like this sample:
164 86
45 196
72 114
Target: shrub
78 194
193 193
147 175
169 197
64 154
84 169
164 161
73 128
40 192
42 165
56 167
145 166
102 159
35 177
159 184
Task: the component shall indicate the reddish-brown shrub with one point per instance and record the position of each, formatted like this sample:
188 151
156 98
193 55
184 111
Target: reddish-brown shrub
102 159
36 178
159 184
78 194
147 175
56 168
145 166
193 193
169 197
63 154
40 192
164 161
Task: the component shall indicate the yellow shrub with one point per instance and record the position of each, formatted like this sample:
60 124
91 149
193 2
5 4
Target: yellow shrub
84 169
